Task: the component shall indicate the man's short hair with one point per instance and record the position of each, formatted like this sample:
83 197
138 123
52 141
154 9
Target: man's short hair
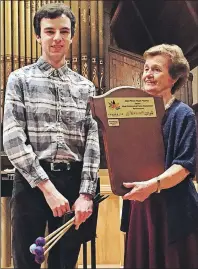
53 11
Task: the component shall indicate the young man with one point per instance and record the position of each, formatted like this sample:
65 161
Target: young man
52 140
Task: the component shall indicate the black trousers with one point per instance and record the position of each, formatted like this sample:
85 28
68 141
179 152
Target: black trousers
30 213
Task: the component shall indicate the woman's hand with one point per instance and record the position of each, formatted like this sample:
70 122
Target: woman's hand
140 190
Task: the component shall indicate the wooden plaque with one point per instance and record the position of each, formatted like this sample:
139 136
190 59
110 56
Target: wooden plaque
130 120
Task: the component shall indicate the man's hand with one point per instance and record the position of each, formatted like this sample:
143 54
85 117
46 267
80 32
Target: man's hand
140 190
56 201
83 208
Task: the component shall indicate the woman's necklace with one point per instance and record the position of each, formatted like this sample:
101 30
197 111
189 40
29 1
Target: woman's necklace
169 103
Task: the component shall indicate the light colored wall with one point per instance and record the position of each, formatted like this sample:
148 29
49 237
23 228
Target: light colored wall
195 85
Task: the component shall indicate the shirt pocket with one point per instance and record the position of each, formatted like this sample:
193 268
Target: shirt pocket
41 105
74 109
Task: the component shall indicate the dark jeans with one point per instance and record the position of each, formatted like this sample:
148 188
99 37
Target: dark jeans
30 213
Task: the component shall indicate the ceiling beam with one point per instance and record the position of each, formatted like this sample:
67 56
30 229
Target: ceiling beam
192 12
143 22
116 14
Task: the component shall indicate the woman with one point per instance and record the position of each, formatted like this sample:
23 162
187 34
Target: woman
161 220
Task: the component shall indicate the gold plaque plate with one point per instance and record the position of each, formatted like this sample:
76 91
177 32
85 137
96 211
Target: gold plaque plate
132 107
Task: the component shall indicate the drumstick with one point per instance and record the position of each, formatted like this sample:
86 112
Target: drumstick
69 223
60 228
60 234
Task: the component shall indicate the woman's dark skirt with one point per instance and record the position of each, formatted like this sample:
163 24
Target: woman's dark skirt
147 239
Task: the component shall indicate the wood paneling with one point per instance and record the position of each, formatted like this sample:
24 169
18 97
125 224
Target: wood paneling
125 68
185 93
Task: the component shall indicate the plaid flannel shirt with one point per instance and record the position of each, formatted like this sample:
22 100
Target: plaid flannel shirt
46 111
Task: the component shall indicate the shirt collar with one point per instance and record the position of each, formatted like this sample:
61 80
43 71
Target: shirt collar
48 70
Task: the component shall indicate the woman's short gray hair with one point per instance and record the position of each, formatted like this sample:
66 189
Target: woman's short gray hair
179 68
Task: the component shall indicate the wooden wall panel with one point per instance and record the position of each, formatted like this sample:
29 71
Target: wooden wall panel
125 68
185 93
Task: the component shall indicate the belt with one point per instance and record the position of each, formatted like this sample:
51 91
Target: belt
57 167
